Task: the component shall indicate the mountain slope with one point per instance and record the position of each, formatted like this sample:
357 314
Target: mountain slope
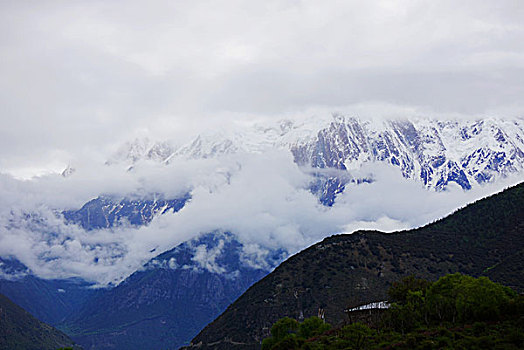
167 302
436 153
484 238
105 212
48 300
19 330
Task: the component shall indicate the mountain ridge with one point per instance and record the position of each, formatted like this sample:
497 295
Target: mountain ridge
168 301
436 153
484 238
19 330
333 154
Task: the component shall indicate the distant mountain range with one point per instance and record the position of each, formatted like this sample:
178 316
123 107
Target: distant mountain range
177 294
436 153
106 212
343 271
168 301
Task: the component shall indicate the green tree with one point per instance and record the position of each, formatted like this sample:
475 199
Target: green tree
456 312
283 328
287 333
311 327
460 298
356 336
408 298
399 291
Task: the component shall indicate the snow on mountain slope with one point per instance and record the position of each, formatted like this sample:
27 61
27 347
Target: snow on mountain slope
140 149
252 139
106 212
435 153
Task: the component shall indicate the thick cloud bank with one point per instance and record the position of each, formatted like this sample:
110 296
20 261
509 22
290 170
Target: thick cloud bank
262 198
80 76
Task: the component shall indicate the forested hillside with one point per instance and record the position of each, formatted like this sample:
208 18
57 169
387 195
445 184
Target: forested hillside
456 312
484 238
19 330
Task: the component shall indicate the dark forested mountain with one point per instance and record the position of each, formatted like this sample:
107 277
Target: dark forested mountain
167 302
484 238
19 330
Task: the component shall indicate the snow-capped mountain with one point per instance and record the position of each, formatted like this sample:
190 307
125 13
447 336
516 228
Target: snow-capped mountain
106 212
141 149
467 153
324 155
435 153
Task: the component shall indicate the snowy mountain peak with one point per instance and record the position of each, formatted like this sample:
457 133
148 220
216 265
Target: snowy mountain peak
433 152
142 149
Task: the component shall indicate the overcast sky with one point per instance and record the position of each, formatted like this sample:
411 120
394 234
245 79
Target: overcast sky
79 77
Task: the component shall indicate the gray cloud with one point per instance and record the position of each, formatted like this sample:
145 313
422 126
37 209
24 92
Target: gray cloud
80 77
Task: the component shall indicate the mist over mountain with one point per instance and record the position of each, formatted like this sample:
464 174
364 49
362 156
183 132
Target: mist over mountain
174 153
226 208
282 185
344 271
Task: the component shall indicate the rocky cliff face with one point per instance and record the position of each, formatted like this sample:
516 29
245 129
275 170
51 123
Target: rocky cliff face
105 212
467 153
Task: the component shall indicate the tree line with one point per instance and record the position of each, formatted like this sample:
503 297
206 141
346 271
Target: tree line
455 312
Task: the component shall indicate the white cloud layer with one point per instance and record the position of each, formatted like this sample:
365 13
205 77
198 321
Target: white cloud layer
79 77
261 198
